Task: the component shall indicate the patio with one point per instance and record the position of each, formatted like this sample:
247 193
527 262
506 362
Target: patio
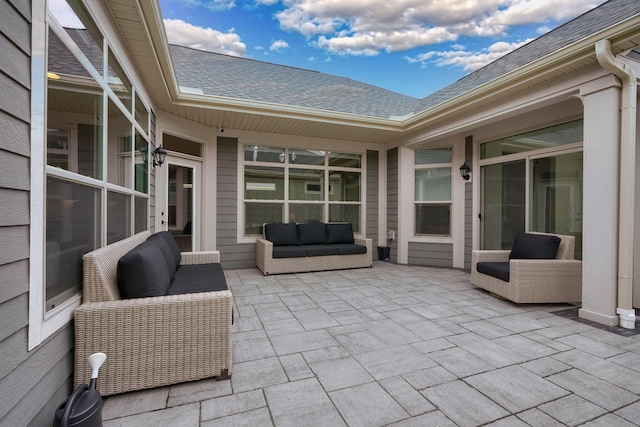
403 346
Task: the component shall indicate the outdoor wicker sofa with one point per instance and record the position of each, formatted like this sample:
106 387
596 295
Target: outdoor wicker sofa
529 280
296 248
152 341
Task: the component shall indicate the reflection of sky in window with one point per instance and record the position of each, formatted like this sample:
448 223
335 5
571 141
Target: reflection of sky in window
63 13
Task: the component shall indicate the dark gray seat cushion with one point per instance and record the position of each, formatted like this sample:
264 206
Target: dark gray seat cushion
281 234
534 246
499 270
142 272
198 278
289 252
339 233
347 249
313 233
320 250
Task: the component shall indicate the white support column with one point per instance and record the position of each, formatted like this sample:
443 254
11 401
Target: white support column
601 99
406 183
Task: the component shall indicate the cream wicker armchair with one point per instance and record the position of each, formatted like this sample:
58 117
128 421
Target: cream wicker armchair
153 341
533 280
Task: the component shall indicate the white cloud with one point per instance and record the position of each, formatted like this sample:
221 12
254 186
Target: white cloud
278 45
215 5
185 34
368 27
469 61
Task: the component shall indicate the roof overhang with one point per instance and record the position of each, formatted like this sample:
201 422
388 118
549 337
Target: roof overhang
143 31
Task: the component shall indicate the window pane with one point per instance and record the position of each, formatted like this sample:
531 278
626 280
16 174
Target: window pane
305 212
118 216
306 184
74 130
434 156
142 164
142 114
344 186
119 148
552 136
556 196
256 214
433 184
433 219
306 157
345 160
346 213
72 224
77 22
119 82
263 183
140 214
257 153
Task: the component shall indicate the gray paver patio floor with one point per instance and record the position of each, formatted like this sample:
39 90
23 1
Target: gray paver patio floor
402 346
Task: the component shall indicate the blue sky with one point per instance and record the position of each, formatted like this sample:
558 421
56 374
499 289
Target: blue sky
413 47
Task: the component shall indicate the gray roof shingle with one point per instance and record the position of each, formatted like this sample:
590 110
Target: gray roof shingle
223 75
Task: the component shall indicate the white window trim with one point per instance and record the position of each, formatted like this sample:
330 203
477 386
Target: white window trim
41 325
434 238
241 238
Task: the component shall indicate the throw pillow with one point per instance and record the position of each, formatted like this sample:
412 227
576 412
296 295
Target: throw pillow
281 234
340 233
534 246
142 272
313 233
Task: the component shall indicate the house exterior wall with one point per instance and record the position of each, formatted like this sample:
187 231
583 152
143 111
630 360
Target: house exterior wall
39 379
430 254
232 254
372 216
468 204
392 200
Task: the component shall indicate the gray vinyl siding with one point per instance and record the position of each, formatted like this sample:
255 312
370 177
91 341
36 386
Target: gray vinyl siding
33 382
468 204
372 217
152 178
232 254
431 254
392 199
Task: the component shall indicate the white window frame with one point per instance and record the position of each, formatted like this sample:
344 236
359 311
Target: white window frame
286 164
416 168
43 324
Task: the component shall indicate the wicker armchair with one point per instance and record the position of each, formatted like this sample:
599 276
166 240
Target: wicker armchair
149 342
533 280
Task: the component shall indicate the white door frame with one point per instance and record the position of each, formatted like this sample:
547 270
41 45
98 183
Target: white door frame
162 194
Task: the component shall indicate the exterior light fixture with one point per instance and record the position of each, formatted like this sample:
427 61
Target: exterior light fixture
464 171
159 155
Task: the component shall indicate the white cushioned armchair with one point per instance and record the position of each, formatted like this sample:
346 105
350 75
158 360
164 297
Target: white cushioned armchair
522 275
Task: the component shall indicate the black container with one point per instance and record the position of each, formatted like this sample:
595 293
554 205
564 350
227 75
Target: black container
384 253
82 409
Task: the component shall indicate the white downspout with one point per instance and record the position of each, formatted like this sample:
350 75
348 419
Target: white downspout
627 180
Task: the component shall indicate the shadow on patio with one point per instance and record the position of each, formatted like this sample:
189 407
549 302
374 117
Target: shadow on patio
402 346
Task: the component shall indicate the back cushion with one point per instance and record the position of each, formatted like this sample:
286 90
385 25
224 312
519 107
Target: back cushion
339 233
143 272
281 234
166 252
314 233
534 246
173 246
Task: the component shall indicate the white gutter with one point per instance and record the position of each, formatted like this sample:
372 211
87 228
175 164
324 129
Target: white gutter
627 179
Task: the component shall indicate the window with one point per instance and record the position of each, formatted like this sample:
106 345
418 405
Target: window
300 185
96 186
433 194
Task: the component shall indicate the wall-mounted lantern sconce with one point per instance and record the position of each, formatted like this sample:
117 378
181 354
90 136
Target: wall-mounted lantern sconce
464 172
158 155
